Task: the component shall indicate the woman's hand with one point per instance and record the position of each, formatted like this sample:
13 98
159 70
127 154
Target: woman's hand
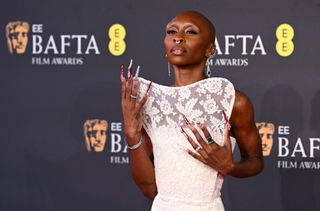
209 152
130 107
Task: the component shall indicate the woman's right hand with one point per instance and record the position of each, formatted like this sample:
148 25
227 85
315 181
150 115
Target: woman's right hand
131 108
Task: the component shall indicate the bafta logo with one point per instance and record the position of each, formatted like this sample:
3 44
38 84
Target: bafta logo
266 131
95 131
17 36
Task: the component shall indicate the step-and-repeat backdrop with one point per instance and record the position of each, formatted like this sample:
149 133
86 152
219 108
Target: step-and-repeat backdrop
62 145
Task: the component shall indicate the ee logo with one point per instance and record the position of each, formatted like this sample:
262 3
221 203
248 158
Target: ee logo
284 34
117 45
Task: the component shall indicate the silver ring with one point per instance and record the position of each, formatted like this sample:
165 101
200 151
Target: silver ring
198 148
132 96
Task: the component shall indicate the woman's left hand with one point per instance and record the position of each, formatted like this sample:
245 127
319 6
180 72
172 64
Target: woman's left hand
212 154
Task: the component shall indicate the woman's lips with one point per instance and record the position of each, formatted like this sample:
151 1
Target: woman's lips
177 51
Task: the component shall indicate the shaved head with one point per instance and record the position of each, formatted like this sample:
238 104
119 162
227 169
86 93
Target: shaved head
200 19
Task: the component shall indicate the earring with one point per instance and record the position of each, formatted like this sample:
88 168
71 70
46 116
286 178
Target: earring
208 70
169 67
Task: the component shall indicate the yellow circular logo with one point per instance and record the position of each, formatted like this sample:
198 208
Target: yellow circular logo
284 34
117 45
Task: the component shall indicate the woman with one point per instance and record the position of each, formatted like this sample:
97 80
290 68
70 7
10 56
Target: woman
186 128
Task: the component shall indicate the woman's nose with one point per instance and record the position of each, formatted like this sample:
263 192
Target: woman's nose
178 40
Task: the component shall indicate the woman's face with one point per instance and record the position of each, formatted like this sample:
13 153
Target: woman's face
187 40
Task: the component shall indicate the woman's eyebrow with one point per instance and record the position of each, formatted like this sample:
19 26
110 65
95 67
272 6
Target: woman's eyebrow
172 25
184 26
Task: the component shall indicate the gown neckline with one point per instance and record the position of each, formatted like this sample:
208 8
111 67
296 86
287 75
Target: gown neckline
184 86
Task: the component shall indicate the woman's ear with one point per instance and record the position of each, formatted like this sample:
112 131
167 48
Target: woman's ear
210 50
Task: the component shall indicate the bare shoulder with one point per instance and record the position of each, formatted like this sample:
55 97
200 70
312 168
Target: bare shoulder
242 101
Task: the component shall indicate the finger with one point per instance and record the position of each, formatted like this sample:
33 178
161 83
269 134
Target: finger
144 99
129 87
226 119
194 145
226 136
198 157
205 131
123 83
134 91
214 145
200 140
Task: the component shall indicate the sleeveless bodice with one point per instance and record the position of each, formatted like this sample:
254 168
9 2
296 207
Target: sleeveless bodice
183 182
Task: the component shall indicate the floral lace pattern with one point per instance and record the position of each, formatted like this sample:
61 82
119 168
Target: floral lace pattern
179 175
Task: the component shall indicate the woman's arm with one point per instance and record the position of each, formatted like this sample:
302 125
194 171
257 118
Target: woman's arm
142 169
243 128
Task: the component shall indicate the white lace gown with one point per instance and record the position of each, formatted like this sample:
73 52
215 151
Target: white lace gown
183 182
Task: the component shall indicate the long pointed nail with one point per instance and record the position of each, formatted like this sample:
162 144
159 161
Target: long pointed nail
137 72
183 132
225 116
185 119
130 64
122 70
149 86
130 69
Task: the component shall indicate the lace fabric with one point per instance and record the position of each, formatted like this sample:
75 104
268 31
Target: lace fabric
183 182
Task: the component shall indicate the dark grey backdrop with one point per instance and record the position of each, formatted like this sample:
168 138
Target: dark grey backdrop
43 160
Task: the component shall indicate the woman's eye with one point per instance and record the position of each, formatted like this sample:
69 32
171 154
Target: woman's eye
191 32
171 31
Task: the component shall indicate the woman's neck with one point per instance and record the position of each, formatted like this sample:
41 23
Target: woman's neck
185 76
